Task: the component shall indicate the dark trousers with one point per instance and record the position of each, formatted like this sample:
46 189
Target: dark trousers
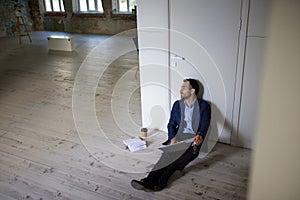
160 177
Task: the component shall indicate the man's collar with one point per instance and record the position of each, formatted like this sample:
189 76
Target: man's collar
192 105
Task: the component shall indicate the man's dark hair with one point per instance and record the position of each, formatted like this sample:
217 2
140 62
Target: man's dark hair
193 84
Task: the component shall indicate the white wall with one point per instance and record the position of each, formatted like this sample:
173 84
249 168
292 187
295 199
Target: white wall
209 43
253 68
275 167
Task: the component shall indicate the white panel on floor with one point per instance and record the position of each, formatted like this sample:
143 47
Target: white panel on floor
61 43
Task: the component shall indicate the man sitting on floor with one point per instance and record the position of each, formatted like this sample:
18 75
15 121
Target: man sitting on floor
190 118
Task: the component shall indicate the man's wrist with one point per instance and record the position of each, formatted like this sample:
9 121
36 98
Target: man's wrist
199 134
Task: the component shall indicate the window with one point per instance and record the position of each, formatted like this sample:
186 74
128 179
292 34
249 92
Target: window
89 6
54 5
123 6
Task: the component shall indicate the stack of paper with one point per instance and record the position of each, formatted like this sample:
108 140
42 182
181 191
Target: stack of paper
135 144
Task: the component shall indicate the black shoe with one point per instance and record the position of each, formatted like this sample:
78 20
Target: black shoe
167 142
138 185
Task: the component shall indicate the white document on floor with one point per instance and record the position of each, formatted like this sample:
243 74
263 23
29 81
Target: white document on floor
135 144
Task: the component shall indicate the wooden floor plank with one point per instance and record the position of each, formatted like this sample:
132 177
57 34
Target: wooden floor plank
55 180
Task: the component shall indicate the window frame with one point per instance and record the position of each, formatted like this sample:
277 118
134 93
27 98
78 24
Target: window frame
118 8
51 4
76 8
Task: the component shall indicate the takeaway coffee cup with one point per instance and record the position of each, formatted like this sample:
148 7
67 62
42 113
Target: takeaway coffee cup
144 133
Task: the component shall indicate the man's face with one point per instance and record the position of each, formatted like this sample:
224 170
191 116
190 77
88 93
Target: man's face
185 91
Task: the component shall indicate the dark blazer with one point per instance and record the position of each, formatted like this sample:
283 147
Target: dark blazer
177 118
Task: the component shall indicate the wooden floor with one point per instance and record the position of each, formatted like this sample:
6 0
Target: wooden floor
44 157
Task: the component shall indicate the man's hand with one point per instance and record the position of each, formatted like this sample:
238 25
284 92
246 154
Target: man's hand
173 140
198 139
